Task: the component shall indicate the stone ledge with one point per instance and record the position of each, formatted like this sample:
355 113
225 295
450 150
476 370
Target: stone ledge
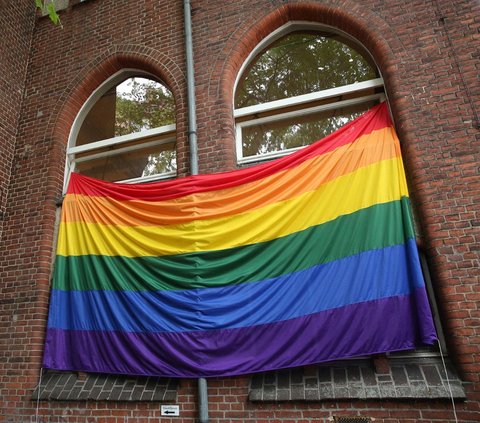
65 386
418 378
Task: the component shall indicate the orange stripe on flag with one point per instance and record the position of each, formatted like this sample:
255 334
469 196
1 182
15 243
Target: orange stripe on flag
377 146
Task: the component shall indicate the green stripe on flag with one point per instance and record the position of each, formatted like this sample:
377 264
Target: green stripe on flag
345 236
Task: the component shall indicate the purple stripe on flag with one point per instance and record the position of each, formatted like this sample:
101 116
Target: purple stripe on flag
371 327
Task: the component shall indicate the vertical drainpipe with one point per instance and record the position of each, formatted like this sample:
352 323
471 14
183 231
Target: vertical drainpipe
192 140
202 400
192 116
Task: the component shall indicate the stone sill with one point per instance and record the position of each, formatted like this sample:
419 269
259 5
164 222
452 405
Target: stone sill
66 386
418 378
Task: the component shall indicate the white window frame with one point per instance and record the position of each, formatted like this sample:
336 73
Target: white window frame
251 115
167 133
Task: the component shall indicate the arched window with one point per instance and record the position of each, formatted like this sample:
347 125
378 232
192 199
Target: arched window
299 85
125 131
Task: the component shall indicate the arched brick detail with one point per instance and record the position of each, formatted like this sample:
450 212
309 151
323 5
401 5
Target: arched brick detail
385 45
379 38
98 71
94 74
348 17
57 131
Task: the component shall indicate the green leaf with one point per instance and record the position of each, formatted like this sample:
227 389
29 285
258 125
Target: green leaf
50 9
52 13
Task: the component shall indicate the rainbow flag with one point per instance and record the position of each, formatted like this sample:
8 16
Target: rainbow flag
301 260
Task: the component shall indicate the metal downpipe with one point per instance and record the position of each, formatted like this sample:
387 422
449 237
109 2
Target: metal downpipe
192 115
202 400
192 140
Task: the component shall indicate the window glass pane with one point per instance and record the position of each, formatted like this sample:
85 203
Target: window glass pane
133 164
298 131
142 104
301 63
135 105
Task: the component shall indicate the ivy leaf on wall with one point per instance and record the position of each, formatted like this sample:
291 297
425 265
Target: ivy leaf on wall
49 8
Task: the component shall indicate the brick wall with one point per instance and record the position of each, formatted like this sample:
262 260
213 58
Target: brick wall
427 52
17 23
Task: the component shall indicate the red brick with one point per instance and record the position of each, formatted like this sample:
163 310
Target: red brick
46 74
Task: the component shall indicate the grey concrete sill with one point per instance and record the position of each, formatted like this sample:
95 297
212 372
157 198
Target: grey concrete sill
65 386
419 378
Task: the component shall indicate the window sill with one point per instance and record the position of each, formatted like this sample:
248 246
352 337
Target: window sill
66 386
419 378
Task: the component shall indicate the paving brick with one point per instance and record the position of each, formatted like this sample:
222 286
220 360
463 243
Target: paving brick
399 376
339 376
283 378
432 376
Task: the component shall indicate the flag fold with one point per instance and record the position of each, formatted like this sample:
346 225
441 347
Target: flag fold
305 259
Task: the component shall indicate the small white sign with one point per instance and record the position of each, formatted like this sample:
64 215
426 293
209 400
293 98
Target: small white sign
170 410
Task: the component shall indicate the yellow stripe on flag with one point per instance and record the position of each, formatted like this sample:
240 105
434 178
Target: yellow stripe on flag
379 145
374 184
